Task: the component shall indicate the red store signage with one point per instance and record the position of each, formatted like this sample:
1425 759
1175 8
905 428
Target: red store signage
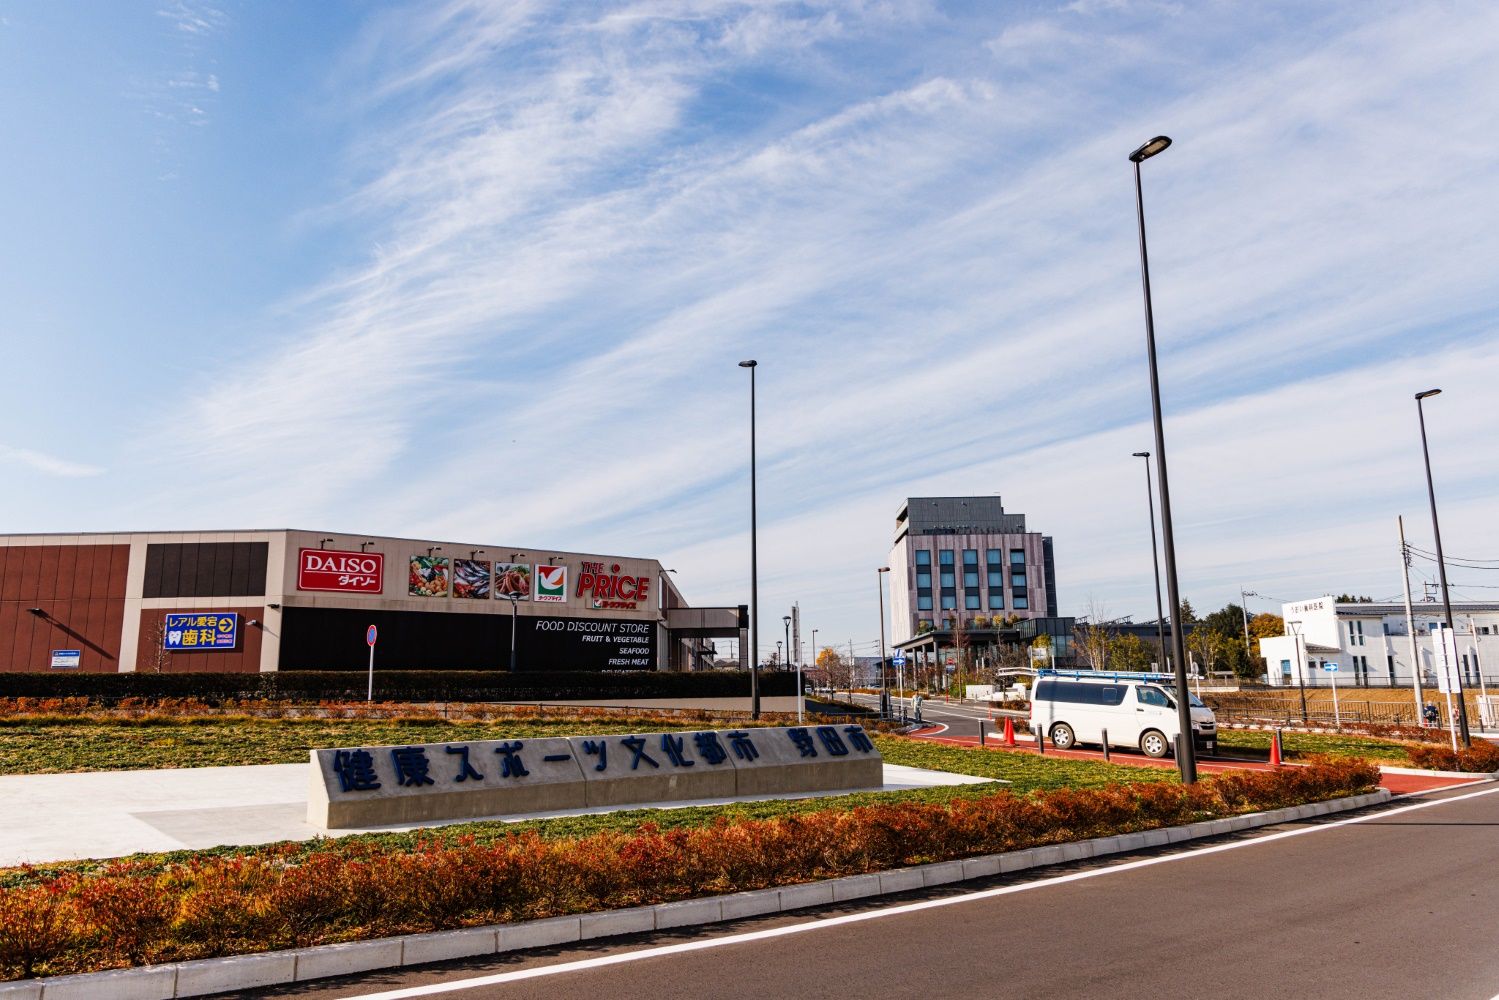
346 572
608 589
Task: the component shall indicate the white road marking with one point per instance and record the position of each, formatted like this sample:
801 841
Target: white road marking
434 989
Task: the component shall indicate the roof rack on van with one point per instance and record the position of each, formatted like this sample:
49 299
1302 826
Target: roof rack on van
1111 675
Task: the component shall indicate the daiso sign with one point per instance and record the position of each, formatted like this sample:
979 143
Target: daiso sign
345 572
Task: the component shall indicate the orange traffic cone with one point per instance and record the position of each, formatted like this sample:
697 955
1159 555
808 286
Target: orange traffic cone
1009 731
1275 749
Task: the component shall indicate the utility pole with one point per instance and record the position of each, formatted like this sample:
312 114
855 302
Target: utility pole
1410 621
1483 688
1244 596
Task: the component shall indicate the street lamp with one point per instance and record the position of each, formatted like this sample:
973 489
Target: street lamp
754 561
879 578
1301 667
787 620
1187 761
513 608
1155 559
1436 531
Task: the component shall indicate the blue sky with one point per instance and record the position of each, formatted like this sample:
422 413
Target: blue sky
483 271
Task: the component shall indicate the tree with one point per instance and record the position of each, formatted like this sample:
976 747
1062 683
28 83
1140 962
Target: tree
1351 599
1127 652
1187 616
1266 626
158 658
1090 641
840 670
1208 645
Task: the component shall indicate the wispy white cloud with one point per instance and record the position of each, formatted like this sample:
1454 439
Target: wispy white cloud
583 218
49 465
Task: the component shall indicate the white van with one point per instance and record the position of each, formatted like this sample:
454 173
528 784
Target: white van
1137 710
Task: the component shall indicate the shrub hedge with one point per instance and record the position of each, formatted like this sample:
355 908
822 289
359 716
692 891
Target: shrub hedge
393 685
1482 756
129 914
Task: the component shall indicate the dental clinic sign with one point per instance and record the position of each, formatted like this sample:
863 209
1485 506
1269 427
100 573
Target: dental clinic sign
341 572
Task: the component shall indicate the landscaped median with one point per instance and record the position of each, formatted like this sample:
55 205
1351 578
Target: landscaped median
75 919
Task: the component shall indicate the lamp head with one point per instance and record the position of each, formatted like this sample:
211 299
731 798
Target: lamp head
1151 148
1428 392
884 569
1142 454
748 364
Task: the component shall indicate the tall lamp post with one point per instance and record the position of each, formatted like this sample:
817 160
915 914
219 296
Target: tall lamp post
1187 755
1301 667
1155 559
787 620
879 577
1436 531
754 562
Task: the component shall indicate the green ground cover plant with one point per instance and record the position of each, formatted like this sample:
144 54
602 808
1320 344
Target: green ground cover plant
1301 745
136 912
59 744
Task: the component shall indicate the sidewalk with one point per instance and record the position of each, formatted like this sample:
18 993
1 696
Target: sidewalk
109 814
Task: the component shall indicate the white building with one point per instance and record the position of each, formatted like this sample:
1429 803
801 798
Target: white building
1371 644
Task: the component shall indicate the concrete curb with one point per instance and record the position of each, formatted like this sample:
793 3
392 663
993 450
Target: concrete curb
217 975
1422 773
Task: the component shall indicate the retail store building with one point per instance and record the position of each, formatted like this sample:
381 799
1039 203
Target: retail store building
246 601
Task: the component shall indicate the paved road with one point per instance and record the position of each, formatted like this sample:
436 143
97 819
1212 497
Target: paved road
1397 902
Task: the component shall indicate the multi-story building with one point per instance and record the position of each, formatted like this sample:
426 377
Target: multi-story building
1371 644
964 557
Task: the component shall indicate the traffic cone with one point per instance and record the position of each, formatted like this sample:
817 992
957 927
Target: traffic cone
1009 731
1275 749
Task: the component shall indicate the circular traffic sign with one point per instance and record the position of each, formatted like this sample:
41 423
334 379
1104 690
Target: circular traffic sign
369 635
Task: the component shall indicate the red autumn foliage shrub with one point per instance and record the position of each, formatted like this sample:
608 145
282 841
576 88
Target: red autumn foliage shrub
1482 756
352 889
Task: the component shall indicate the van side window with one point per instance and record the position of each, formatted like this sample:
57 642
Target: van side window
1152 696
1080 694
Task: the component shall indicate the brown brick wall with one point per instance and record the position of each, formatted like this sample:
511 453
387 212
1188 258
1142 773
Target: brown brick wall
243 659
82 590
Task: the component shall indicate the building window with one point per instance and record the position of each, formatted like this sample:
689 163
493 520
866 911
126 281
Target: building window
971 600
1017 557
1020 601
996 600
949 601
924 579
970 579
948 578
923 557
945 557
1285 668
1391 666
924 601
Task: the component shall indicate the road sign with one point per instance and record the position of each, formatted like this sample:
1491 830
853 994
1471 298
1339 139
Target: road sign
369 635
66 659
1331 668
898 660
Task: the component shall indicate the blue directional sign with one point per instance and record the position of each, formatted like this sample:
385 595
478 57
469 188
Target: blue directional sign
1331 668
898 660
201 630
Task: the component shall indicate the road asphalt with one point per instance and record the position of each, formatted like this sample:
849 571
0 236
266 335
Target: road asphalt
1398 901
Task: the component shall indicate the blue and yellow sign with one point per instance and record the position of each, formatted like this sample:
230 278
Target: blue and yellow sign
201 630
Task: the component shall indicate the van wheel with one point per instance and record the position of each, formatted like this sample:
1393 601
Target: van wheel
1155 744
1062 736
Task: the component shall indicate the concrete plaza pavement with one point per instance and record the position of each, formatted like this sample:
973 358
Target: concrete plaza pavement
110 814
